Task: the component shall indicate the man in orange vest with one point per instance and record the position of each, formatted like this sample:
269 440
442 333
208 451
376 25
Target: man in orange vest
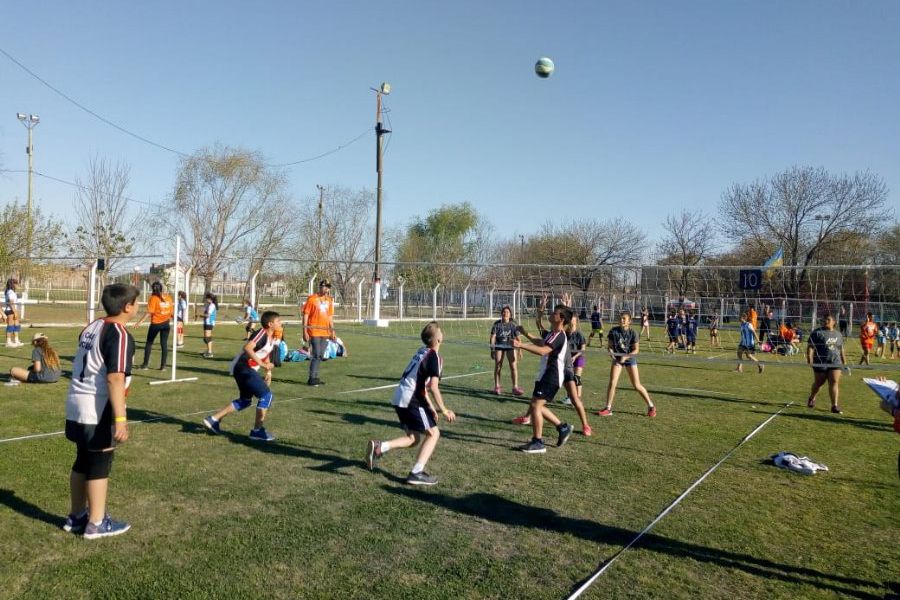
318 328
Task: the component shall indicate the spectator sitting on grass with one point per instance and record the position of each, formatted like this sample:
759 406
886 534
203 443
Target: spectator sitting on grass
44 363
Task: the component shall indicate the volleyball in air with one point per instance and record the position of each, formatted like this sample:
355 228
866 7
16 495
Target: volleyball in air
543 67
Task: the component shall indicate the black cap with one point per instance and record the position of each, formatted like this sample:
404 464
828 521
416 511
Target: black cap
325 283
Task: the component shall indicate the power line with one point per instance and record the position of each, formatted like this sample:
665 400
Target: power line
151 142
82 187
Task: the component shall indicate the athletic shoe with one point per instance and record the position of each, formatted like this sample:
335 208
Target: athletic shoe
498 390
526 420
212 425
651 412
12 383
837 410
565 432
373 453
606 412
106 528
587 431
811 403
566 401
517 391
534 447
261 435
421 478
76 524
179 345
208 355
315 382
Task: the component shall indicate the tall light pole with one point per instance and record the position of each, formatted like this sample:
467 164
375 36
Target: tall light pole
380 130
30 122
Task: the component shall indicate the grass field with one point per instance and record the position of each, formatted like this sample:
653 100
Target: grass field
224 517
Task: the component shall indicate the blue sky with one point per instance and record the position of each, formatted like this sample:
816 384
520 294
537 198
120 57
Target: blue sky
654 106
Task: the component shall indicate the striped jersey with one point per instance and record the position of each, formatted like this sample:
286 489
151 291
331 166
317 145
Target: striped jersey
425 364
553 364
263 344
747 339
182 309
104 347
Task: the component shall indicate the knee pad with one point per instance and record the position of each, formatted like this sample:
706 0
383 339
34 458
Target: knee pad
93 465
265 401
240 404
578 380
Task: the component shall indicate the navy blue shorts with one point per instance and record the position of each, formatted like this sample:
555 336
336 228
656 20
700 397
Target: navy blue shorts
631 362
207 327
545 390
250 384
415 417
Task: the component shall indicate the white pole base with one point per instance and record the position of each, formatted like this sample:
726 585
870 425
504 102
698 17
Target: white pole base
377 322
162 381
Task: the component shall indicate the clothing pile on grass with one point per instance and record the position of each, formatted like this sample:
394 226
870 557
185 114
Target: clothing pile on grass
798 464
334 349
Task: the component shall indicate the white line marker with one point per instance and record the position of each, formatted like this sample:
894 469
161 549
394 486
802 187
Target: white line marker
203 412
608 563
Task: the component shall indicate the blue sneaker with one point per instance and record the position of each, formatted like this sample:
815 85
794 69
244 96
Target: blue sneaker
75 524
212 425
261 434
106 528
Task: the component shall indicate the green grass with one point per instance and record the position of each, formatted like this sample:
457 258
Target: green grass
222 517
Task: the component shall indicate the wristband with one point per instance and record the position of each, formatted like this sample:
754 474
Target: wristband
121 419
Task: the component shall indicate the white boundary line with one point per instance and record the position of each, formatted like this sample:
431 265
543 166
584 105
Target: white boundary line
608 563
203 412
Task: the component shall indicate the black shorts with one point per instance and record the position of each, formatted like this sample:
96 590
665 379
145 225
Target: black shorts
208 327
692 339
93 438
749 349
8 311
631 362
545 390
568 375
415 417
826 369
673 337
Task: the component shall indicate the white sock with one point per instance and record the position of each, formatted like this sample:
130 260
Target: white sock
418 468
385 446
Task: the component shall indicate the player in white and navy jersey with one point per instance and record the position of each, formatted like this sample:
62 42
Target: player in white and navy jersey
415 410
210 310
10 298
95 410
245 370
553 350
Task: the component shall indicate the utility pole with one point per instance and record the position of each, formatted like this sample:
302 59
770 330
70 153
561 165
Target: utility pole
380 130
319 227
30 122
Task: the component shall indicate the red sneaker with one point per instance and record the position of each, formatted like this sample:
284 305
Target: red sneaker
605 412
517 391
587 431
526 420
498 390
651 412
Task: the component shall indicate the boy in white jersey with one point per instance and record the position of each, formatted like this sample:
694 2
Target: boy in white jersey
244 369
414 409
95 411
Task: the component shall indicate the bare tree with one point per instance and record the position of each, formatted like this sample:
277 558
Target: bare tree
689 239
105 226
226 204
801 210
345 238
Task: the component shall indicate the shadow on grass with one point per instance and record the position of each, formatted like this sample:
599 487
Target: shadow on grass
9 499
446 431
507 512
716 397
331 463
827 417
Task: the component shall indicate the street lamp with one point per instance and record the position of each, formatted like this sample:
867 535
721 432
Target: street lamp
30 122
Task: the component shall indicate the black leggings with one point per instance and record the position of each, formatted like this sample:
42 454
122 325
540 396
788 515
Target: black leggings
163 330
